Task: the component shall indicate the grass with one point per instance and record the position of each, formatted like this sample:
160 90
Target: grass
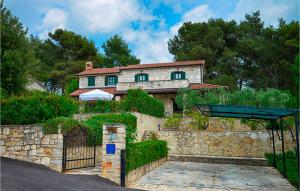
291 166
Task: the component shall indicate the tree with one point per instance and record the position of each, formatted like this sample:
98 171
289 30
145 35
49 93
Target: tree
63 55
117 53
16 54
242 55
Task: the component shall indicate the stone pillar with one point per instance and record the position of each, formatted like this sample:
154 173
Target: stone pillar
114 140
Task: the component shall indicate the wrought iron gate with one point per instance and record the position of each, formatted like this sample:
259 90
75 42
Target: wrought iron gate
78 150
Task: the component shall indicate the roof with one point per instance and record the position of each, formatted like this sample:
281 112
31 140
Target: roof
205 86
99 71
174 90
111 90
160 65
139 66
233 111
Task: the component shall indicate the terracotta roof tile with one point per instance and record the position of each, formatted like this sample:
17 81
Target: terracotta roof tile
139 66
159 65
111 90
99 71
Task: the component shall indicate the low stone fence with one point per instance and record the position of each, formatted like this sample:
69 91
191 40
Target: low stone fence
227 143
141 171
29 143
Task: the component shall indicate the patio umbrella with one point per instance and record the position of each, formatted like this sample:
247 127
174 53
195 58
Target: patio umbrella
95 95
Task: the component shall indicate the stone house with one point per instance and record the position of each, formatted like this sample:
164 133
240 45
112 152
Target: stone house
161 80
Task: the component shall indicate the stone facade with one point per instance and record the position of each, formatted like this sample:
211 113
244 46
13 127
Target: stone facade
147 123
227 143
160 84
111 162
194 74
29 143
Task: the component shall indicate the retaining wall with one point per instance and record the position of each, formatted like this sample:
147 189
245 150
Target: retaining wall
227 143
29 143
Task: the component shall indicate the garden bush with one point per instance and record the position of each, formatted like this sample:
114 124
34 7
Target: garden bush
291 165
102 106
138 100
95 124
51 126
35 108
173 121
139 154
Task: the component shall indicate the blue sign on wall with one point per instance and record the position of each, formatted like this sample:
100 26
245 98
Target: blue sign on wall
110 148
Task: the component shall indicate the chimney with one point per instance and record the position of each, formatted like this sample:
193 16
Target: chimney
88 65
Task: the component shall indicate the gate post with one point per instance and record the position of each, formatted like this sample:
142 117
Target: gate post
114 140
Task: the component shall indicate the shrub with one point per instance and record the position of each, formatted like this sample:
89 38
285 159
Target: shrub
51 126
139 154
173 121
291 165
95 124
102 106
35 108
198 121
138 100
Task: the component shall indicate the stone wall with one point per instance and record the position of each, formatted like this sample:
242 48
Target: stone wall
194 74
147 123
141 171
226 143
159 84
144 122
29 143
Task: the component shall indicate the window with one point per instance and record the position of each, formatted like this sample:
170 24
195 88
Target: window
111 80
141 77
91 80
178 75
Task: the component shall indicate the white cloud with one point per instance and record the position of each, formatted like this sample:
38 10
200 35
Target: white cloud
270 10
150 46
108 15
53 19
198 14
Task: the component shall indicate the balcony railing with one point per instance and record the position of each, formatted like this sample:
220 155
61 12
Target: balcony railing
161 84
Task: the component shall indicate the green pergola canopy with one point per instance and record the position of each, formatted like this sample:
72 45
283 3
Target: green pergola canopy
232 111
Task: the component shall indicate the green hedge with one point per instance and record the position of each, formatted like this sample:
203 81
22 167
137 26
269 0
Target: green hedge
139 154
95 125
138 100
102 106
65 123
291 165
35 108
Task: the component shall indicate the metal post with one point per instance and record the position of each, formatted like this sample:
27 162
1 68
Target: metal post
282 143
297 141
123 167
94 150
64 154
273 139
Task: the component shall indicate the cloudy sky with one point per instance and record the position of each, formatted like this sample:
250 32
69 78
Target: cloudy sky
146 25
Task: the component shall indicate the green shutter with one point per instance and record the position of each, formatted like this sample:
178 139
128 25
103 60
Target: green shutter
146 77
91 80
136 78
116 80
172 75
106 81
183 75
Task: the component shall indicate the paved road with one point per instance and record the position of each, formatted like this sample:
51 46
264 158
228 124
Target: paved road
191 176
19 175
